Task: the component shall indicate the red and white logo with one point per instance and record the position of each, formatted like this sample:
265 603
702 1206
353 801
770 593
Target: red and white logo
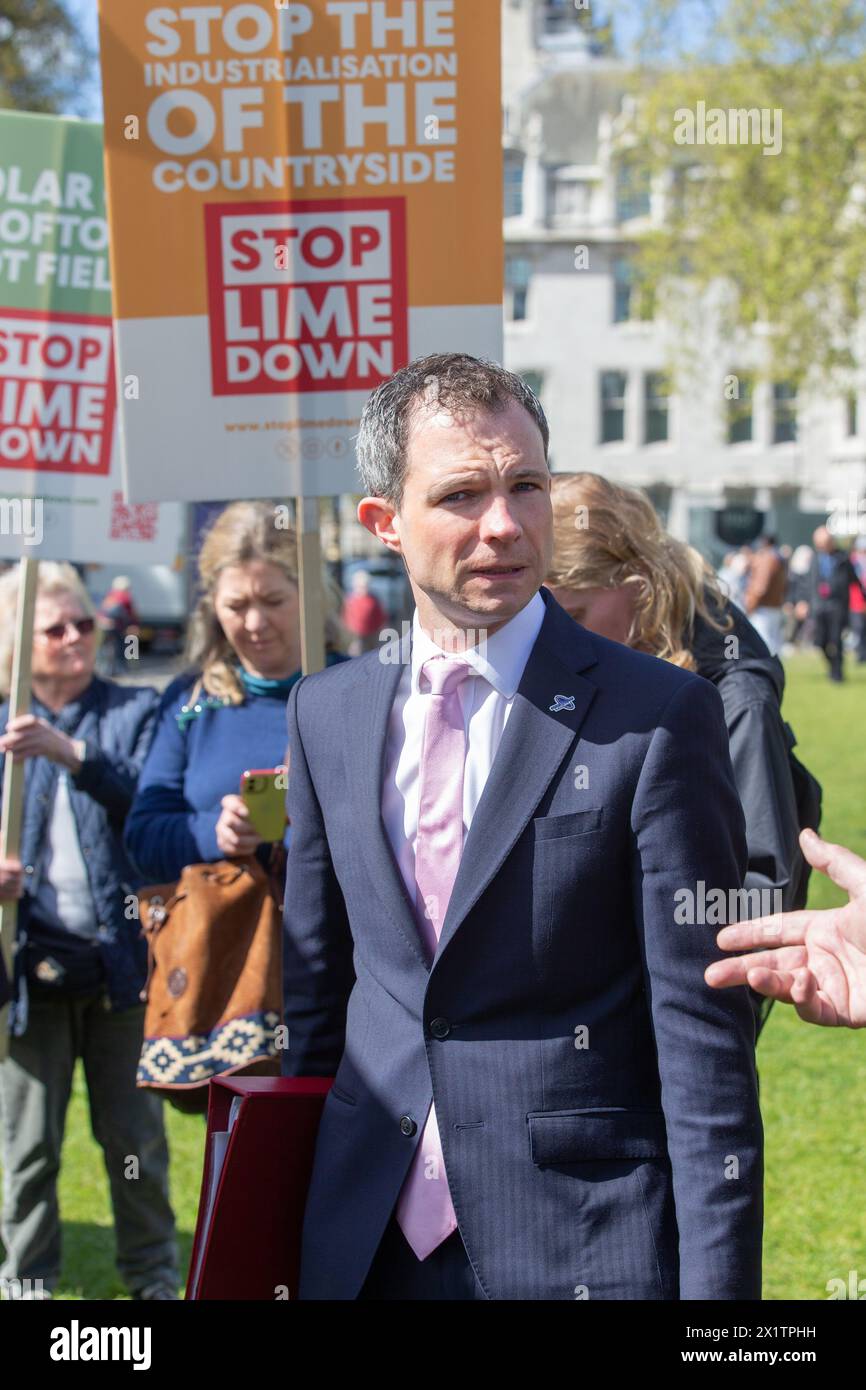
306 297
57 397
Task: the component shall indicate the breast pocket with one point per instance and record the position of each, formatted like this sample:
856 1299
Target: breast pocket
572 864
575 823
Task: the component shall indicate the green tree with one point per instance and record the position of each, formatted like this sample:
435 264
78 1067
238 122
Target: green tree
44 60
778 237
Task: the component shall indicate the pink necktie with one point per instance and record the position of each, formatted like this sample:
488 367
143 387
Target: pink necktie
424 1209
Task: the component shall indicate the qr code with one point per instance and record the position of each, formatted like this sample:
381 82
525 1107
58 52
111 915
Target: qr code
134 521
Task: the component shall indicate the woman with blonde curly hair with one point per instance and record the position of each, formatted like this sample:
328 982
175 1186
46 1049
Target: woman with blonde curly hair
618 572
228 712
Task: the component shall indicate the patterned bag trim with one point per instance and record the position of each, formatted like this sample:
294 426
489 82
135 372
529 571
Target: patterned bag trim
193 1060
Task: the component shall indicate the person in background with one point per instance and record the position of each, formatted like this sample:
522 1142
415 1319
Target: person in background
856 598
832 578
813 960
227 713
796 605
363 615
765 593
625 578
733 576
117 615
80 963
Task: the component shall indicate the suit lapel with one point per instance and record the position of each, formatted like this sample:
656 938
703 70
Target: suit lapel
365 757
533 745
534 742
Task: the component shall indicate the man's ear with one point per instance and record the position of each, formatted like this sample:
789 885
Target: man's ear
382 521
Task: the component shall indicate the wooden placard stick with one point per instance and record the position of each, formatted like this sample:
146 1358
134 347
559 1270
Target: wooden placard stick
312 594
13 771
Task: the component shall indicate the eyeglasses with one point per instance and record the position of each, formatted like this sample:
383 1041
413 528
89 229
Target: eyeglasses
57 631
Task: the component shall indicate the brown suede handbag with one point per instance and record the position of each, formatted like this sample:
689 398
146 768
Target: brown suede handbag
214 977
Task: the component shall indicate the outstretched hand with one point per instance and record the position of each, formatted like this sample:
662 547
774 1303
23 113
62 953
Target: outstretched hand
813 960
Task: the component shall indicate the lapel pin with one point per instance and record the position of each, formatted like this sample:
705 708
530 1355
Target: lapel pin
561 702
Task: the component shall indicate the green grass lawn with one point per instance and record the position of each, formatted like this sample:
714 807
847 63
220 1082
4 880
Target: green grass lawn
813 1080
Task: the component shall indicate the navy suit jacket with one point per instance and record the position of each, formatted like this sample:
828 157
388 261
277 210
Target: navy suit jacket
597 1102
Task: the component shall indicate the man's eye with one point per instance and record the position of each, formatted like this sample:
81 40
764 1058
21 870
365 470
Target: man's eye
534 486
455 496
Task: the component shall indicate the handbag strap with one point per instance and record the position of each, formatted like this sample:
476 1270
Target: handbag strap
157 914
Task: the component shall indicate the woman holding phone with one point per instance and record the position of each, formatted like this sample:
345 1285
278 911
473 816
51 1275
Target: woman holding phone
195 806
227 715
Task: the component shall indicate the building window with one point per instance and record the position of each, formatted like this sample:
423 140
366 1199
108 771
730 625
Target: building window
622 286
513 186
740 411
784 412
560 16
632 301
851 414
632 191
656 407
518 272
570 197
613 389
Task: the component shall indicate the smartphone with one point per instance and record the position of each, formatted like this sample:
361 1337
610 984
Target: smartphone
263 790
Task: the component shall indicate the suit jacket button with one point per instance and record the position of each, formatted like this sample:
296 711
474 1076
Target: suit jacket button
408 1126
440 1028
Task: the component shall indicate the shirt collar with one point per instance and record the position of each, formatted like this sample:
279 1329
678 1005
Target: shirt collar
501 660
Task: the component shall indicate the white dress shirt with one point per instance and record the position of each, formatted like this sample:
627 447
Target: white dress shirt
486 698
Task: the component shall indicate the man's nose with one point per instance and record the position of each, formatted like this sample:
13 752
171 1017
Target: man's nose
498 520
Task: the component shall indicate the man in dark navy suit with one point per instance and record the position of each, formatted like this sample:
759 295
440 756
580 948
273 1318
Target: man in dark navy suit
496 822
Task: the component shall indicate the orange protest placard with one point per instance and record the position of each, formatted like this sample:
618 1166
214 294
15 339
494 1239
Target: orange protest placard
302 198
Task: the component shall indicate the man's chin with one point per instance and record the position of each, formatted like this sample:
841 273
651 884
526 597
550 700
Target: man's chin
498 599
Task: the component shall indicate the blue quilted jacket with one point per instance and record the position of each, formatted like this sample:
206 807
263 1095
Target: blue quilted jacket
116 724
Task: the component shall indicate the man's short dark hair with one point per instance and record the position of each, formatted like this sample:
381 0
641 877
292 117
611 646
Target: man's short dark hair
452 381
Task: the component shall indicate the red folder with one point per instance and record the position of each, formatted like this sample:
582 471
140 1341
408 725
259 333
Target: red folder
261 1134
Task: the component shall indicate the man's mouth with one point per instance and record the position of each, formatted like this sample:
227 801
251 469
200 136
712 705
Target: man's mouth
500 569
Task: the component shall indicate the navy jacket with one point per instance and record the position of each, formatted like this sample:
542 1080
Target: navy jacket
620 1163
116 723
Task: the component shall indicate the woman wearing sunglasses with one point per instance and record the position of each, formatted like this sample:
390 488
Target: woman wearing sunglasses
80 963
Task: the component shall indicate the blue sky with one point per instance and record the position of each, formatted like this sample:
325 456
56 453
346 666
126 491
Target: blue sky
85 12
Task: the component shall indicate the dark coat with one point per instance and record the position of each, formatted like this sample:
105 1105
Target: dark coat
751 683
116 723
608 1166
842 576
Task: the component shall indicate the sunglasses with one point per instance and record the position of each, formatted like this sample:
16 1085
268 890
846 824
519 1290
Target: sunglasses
57 631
